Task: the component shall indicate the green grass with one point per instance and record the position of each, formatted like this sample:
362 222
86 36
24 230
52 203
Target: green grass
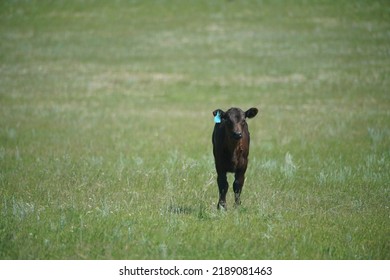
105 129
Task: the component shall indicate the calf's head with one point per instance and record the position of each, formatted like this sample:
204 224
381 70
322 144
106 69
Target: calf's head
234 121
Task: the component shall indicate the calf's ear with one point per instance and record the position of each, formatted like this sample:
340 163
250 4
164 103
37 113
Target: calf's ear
252 112
218 115
221 113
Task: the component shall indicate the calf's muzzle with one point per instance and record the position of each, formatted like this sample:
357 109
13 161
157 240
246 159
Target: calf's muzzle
237 135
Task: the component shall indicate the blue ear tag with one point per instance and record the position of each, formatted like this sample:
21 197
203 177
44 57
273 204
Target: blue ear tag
217 118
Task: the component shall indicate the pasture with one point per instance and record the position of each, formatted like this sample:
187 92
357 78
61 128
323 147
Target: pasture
106 121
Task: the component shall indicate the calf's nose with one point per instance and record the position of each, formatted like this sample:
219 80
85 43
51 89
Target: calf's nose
237 135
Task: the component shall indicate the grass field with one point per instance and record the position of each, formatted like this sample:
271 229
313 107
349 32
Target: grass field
106 120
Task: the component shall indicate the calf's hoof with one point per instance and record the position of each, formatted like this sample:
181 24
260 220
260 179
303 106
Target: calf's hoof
237 200
221 206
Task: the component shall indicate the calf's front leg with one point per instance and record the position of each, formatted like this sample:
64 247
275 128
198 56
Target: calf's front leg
223 186
239 179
